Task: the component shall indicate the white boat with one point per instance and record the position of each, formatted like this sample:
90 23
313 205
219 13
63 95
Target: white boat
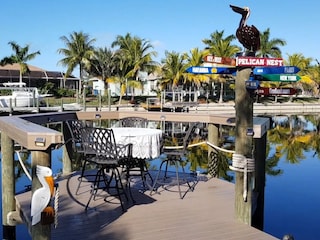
19 95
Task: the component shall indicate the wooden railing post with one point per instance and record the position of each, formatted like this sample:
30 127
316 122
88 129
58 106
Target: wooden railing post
8 185
213 137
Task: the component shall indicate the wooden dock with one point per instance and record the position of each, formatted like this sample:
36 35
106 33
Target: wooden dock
205 213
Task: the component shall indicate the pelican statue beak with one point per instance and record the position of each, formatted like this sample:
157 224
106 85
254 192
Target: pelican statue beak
50 182
238 9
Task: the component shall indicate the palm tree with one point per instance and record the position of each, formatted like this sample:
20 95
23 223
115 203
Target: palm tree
79 51
119 75
269 47
290 139
221 47
137 54
21 56
195 59
102 64
306 82
173 69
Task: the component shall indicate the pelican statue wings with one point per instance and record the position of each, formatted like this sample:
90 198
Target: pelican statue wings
41 197
248 36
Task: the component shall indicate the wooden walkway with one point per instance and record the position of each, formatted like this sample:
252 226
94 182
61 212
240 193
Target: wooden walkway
205 213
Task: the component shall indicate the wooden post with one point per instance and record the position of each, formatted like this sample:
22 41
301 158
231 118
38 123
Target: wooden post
213 137
8 185
260 179
66 161
43 158
243 145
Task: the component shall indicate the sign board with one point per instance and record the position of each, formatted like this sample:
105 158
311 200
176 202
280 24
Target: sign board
276 70
276 91
252 84
211 70
281 77
255 61
220 60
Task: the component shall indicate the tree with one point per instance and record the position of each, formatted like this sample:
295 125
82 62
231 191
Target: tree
120 73
221 47
173 69
269 47
21 56
306 84
103 64
79 51
137 54
195 58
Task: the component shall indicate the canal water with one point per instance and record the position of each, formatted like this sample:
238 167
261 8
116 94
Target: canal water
292 193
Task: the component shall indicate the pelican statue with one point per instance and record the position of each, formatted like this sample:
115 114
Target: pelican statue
248 36
41 197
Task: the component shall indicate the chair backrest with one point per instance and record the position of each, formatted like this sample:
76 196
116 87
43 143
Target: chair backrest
74 131
181 140
100 142
137 122
191 132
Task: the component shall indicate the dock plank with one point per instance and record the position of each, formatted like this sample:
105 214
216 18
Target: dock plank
205 213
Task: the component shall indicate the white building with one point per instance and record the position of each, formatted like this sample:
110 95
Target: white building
98 86
149 83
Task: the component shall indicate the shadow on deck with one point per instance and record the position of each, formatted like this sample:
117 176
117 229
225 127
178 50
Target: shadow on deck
205 213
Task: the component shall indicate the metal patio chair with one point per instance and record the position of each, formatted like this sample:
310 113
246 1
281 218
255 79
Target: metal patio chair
100 147
175 150
74 145
137 122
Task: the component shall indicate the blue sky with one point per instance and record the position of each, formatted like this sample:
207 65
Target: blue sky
173 25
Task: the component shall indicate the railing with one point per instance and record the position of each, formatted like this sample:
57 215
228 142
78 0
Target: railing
30 133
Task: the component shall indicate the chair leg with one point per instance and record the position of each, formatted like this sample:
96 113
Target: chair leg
81 176
176 163
144 172
95 187
188 183
177 177
118 182
157 177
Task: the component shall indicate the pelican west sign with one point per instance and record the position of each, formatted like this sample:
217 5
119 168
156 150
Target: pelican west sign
256 62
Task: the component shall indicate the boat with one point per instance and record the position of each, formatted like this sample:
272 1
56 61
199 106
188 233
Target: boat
16 94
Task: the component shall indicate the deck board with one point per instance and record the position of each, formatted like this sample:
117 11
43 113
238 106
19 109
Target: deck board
205 213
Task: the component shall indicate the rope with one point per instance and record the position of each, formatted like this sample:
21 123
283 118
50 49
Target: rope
219 148
242 164
23 166
200 143
56 206
180 147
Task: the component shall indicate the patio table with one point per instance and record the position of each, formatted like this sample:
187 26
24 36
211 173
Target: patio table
146 142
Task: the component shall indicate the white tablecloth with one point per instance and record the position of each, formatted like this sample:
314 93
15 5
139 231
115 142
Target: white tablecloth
146 141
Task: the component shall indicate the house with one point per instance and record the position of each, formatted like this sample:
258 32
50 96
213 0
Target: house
37 77
149 86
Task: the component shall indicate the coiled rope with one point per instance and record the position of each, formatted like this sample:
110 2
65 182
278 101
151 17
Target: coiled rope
242 164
